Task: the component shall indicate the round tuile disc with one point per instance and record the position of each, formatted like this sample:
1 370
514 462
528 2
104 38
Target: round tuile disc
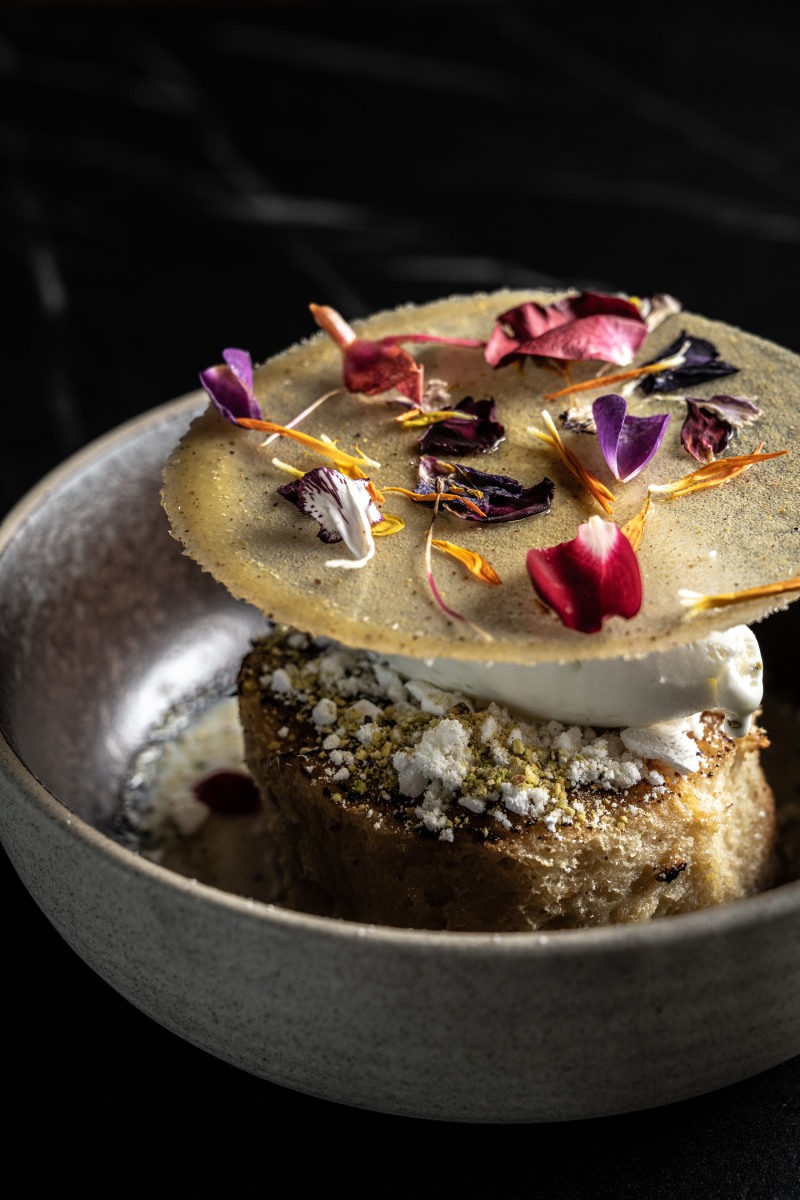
220 497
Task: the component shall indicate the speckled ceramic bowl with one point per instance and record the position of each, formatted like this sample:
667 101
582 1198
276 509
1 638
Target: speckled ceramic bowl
104 625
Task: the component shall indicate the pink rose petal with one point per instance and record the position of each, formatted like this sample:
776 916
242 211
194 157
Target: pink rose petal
590 325
591 578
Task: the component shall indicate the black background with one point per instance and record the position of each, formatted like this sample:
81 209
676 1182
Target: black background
178 178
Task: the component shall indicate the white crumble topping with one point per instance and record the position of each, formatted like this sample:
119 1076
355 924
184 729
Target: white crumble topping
417 741
324 713
280 683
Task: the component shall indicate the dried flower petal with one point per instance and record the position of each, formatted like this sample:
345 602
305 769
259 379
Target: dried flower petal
704 433
736 410
628 443
634 529
697 602
658 307
713 474
349 464
552 438
474 430
475 563
590 325
488 499
434 496
437 595
629 378
388 524
343 507
591 578
698 362
374 367
417 418
230 386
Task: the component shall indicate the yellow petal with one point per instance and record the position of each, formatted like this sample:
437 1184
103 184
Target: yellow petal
602 381
602 495
388 524
634 529
414 418
480 567
697 602
712 474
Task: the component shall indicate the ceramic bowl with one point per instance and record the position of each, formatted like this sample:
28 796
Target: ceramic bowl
104 626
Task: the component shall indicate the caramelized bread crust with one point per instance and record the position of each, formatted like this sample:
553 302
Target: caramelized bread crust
349 844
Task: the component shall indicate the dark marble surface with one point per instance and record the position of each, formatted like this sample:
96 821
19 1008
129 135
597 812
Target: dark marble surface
178 178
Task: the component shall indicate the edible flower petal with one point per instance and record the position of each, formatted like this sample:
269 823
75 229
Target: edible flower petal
475 563
634 529
343 507
711 423
696 361
628 443
437 595
374 367
349 464
474 429
591 578
736 410
553 438
704 433
697 602
492 498
713 474
229 386
590 325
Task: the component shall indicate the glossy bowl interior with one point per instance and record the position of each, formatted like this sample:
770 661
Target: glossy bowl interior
104 626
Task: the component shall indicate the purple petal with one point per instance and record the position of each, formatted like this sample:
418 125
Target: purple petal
627 442
230 387
736 410
241 364
701 362
502 498
704 433
454 436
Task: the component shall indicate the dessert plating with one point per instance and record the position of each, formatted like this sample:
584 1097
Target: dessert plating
594 825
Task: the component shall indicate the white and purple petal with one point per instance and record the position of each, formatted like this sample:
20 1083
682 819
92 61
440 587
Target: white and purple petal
628 442
343 509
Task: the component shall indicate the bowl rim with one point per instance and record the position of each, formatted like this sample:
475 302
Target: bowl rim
782 900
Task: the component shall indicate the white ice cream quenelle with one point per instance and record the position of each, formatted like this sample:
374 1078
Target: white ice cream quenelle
722 672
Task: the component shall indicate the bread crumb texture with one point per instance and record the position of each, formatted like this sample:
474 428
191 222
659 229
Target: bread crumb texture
394 802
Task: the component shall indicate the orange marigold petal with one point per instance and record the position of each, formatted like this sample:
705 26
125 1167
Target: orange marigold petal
475 563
